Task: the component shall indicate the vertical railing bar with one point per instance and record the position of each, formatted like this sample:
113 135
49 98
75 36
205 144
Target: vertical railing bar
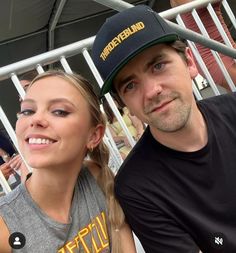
113 161
215 54
18 85
196 91
116 156
11 134
112 142
108 96
116 151
39 68
203 67
65 65
218 25
5 186
8 127
200 60
229 13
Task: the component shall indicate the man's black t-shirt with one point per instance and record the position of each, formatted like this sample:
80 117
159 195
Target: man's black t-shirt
182 201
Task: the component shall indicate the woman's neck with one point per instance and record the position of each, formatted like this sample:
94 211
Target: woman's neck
52 190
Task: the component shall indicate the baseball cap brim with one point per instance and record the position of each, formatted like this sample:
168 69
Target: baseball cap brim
107 86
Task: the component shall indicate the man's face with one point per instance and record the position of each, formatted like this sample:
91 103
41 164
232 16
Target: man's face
25 84
156 86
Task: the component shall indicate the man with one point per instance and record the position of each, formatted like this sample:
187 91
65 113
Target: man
177 186
26 78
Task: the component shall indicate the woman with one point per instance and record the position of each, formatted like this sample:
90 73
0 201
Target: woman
61 208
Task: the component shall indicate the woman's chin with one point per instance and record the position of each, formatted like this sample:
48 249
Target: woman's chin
38 164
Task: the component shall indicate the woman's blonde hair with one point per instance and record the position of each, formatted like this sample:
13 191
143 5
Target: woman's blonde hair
99 155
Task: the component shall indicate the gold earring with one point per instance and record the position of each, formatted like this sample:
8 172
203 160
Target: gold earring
91 149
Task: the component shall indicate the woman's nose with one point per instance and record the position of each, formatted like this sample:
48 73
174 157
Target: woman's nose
38 120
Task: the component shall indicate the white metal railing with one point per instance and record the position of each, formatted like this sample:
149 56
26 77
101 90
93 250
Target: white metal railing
45 58
81 47
205 33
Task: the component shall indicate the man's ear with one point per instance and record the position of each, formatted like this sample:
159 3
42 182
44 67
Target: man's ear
96 136
191 63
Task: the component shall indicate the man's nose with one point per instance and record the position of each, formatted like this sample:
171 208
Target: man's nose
152 88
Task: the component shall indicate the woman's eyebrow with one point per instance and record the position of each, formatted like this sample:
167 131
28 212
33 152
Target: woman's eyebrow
52 101
59 100
27 100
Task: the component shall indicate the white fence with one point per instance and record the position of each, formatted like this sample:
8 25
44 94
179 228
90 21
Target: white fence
81 47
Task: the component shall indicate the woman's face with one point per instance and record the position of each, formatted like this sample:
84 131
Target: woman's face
54 125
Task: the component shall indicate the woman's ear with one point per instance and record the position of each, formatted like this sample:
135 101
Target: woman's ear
96 136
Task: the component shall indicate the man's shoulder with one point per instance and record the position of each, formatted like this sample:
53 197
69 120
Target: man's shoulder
229 98
131 162
219 105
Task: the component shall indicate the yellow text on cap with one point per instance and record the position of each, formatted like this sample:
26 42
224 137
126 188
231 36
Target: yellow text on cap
120 38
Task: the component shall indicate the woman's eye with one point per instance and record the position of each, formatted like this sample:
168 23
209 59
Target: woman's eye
61 113
25 112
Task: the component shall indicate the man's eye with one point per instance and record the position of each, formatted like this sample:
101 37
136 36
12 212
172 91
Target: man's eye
26 112
159 66
129 86
61 113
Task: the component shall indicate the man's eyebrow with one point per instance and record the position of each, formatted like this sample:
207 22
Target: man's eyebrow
122 82
153 60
